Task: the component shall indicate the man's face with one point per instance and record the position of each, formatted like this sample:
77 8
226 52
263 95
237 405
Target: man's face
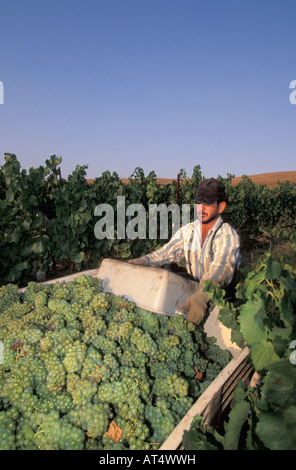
210 212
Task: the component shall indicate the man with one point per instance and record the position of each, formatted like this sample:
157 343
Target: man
209 246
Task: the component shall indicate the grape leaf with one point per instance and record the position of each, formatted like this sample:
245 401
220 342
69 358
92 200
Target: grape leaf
279 385
251 321
273 431
263 354
237 417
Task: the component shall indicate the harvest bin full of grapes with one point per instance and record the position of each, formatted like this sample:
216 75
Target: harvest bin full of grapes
103 360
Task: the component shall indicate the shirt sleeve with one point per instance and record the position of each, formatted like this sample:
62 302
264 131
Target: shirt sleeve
172 251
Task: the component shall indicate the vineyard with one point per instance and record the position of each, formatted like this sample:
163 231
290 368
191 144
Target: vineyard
47 222
75 354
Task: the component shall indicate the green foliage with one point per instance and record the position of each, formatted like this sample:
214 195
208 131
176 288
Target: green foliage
46 220
261 417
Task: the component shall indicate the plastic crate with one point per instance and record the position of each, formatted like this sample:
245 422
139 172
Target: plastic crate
215 399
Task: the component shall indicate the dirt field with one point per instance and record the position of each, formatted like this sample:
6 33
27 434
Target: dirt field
270 179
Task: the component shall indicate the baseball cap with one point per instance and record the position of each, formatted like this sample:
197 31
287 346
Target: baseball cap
209 191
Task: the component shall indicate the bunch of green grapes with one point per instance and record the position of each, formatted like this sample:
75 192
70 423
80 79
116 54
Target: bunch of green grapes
11 390
84 294
32 335
140 377
64 309
111 364
217 355
92 418
130 405
167 342
134 434
55 433
161 421
122 314
100 302
46 342
112 331
40 300
118 302
24 435
169 349
39 317
80 389
12 330
119 332
18 309
39 375
201 363
144 342
55 322
83 288
123 395
86 280
8 296
91 367
26 403
28 295
74 357
104 345
140 359
111 392
45 403
7 432
56 372
58 340
61 291
172 385
127 358
62 401
148 322
178 326
91 324
179 406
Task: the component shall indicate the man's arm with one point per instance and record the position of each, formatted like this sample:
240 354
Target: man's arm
172 251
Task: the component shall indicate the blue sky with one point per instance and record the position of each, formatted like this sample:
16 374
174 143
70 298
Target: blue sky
156 84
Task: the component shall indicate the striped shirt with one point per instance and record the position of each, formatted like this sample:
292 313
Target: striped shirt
215 260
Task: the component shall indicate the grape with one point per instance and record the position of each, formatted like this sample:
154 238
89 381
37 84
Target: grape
93 419
7 437
76 359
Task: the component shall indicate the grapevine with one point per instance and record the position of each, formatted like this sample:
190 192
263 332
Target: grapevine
261 417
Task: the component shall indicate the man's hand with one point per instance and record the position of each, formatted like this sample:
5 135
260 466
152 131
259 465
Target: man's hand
196 305
139 261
